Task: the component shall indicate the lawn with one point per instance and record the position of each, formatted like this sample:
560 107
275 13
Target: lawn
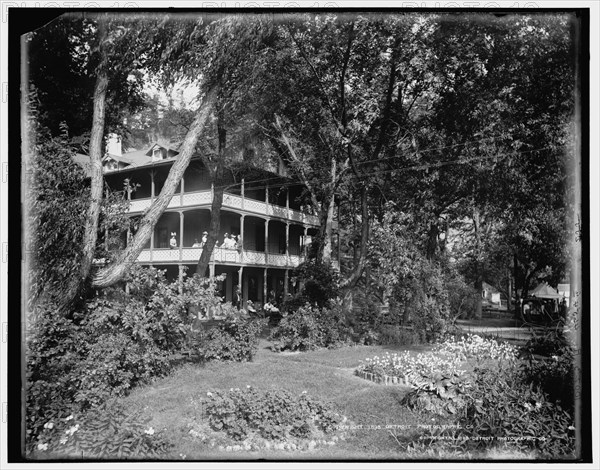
327 375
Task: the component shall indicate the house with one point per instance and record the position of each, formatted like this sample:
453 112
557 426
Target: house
491 294
263 207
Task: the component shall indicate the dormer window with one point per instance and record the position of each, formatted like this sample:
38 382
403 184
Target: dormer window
157 153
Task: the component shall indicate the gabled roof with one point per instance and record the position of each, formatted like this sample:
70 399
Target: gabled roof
544 291
135 158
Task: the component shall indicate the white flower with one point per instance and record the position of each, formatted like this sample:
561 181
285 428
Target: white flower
64 440
149 431
69 418
208 394
49 425
248 386
72 430
304 392
42 446
571 428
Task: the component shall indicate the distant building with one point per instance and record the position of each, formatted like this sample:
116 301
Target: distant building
491 294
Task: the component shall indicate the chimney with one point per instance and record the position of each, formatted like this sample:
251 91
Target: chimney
113 144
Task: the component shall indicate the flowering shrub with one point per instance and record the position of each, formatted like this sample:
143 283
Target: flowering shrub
234 339
478 348
274 415
415 369
104 432
311 328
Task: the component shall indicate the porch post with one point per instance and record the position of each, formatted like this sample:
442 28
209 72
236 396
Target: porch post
265 290
287 243
152 185
180 278
181 217
241 248
304 241
287 201
266 241
211 270
239 288
286 280
243 195
181 192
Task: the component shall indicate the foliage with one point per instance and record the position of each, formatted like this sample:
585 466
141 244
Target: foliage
499 405
311 328
57 205
118 341
552 342
108 431
415 286
504 411
319 285
275 415
233 339
443 392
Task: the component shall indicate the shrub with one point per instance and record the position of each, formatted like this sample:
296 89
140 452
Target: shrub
319 285
233 339
274 415
502 410
116 342
108 431
310 328
551 343
441 393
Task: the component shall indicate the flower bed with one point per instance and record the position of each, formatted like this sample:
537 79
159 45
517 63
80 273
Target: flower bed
447 357
478 348
405 369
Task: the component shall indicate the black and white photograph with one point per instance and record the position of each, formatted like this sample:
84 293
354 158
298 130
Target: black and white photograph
299 235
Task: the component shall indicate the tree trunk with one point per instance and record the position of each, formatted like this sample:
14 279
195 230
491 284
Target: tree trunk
215 226
352 280
509 295
116 271
90 234
478 270
324 254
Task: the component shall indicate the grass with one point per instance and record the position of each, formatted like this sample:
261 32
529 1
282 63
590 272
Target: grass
324 374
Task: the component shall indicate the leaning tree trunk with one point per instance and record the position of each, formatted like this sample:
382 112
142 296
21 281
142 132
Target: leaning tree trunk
90 234
116 271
